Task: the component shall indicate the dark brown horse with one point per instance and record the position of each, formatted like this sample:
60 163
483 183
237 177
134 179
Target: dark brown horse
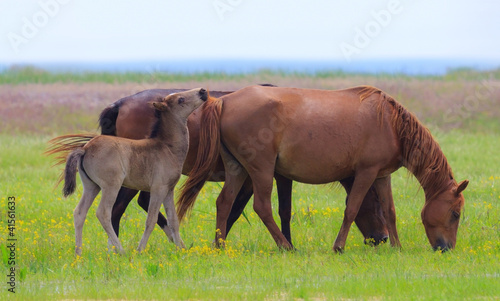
132 117
319 136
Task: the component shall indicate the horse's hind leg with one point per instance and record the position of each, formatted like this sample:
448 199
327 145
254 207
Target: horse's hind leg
173 225
104 215
384 191
155 201
143 201
125 195
239 204
262 188
284 187
90 191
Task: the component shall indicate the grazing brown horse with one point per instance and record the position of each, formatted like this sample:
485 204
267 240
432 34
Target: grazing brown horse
319 136
154 164
131 117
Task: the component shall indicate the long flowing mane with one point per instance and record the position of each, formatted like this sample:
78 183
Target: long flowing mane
420 152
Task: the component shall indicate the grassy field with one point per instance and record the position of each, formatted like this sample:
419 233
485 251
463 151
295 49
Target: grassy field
462 110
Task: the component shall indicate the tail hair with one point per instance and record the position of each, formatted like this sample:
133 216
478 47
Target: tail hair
62 146
208 153
70 170
107 119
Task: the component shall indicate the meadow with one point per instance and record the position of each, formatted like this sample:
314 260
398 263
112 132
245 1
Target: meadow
462 110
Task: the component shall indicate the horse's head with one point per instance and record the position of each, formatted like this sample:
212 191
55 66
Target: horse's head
441 215
183 103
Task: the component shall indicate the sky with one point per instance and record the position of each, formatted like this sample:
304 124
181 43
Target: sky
94 31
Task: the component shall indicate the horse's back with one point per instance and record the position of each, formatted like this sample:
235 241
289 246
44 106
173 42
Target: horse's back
136 116
315 136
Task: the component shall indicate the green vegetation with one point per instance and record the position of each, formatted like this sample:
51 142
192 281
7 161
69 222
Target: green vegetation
30 74
251 267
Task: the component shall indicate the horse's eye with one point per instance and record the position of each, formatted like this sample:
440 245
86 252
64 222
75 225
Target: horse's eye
181 100
456 215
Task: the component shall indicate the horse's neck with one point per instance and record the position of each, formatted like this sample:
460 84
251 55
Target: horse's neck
434 176
174 135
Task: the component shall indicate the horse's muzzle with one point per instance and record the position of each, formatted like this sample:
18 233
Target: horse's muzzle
442 246
203 94
376 240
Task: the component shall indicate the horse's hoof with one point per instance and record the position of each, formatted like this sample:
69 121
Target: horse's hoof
338 250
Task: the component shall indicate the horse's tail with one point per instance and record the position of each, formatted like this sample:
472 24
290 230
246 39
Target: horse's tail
63 145
70 170
208 153
107 119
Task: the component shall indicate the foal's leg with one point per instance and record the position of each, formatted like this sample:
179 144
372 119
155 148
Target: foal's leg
384 191
90 191
362 182
158 194
284 186
143 201
173 225
104 215
125 195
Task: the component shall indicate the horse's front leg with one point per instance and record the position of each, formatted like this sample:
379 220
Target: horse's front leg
362 182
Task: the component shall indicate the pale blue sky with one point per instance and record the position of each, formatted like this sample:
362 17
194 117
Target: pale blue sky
77 30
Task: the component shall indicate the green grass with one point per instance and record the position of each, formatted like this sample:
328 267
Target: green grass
30 74
251 266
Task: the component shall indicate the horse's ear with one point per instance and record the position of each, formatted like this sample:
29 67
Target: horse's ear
461 186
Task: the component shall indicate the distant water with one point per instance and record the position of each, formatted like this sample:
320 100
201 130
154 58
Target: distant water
236 66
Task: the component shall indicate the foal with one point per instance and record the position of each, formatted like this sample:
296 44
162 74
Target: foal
106 163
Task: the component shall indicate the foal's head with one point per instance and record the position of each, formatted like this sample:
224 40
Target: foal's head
441 215
182 103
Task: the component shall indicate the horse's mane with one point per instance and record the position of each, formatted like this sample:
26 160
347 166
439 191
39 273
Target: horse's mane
421 153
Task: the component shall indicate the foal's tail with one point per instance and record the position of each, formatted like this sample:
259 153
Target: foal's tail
208 153
63 145
70 170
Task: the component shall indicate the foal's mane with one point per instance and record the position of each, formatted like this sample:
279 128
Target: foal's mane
156 126
420 152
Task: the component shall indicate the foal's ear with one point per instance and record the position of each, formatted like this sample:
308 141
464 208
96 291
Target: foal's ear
461 186
160 106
